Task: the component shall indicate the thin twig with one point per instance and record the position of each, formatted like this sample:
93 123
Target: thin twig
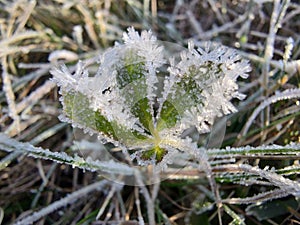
9 93
276 19
138 206
149 201
62 202
288 94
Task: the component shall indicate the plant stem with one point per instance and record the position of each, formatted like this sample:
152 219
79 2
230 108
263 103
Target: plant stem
62 202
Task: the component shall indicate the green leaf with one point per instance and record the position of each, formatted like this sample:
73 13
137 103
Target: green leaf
103 125
132 83
142 111
89 218
76 107
133 69
168 116
156 151
186 95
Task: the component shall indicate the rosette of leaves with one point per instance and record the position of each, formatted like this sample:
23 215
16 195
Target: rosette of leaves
143 102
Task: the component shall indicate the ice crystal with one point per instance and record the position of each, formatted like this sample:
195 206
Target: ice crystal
123 102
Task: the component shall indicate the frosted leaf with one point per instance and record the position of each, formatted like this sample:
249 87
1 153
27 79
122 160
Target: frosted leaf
123 104
202 83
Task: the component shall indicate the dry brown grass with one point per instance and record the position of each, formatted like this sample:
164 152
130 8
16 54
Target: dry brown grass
33 31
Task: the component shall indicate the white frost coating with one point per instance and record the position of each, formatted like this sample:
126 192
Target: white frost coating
63 77
285 184
62 54
288 49
258 198
111 166
146 46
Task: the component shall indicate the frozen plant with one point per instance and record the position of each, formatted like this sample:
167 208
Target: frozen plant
124 102
145 102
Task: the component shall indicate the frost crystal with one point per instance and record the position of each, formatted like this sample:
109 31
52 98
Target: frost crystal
123 102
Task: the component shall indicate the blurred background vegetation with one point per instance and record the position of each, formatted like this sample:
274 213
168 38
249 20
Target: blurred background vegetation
35 35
